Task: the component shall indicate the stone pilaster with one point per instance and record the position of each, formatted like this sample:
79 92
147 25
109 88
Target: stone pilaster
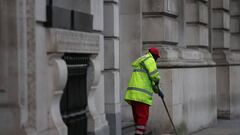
234 58
220 22
196 17
235 25
13 76
160 25
160 28
111 65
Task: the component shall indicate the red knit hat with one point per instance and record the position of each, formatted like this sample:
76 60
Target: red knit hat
154 51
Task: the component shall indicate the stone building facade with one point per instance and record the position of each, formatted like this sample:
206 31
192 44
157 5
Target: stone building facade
45 43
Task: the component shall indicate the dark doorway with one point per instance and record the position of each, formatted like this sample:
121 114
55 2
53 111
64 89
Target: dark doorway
74 99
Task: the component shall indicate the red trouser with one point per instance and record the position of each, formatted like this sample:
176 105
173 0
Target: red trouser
140 114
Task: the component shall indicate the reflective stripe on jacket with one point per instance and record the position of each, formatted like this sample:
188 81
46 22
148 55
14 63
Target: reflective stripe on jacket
144 76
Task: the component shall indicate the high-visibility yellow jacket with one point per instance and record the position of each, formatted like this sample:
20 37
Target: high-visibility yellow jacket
144 76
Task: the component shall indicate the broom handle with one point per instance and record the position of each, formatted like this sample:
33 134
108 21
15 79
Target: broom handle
169 116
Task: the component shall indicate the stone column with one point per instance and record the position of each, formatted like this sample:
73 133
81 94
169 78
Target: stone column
220 19
11 69
160 26
234 58
235 25
196 17
111 65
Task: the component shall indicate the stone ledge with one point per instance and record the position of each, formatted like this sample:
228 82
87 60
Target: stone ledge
234 58
111 2
226 57
158 14
184 57
72 41
169 6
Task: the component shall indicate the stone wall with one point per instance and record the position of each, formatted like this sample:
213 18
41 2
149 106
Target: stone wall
33 75
190 94
234 92
199 64
11 69
194 38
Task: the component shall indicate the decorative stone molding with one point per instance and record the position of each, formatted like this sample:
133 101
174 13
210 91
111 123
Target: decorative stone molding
58 78
234 58
65 41
183 57
93 76
72 41
31 125
220 56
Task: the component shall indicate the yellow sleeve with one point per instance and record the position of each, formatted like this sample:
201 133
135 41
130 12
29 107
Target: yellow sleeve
152 70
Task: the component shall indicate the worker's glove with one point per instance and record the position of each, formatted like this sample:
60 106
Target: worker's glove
155 88
156 83
160 94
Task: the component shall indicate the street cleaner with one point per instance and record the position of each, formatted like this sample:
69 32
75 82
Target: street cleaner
141 86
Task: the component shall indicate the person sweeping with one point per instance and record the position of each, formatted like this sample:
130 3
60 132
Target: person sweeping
141 86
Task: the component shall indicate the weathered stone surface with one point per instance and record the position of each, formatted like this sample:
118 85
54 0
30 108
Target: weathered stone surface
196 12
196 35
167 6
111 55
111 20
97 12
223 92
72 41
220 39
203 13
188 94
234 58
40 10
234 42
160 29
234 10
129 7
235 25
112 87
130 48
42 93
220 19
220 4
234 91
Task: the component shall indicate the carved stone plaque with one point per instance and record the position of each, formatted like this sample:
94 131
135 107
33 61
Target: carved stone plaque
72 41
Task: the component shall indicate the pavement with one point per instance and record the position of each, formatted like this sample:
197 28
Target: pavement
223 127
